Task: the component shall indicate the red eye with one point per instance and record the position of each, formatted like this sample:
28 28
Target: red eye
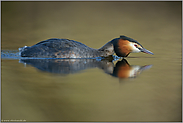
135 45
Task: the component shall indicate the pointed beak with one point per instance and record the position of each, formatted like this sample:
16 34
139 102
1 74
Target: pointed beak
146 51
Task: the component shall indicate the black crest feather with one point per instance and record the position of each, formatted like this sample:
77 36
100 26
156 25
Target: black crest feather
129 39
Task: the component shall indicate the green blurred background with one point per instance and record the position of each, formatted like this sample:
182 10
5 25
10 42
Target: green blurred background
93 95
93 23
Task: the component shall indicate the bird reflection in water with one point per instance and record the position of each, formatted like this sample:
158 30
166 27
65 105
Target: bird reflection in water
122 69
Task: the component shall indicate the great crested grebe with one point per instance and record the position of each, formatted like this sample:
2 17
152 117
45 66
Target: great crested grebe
65 48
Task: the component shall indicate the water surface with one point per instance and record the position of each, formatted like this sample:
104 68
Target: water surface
89 89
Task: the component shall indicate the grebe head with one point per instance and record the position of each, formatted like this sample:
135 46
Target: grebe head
123 46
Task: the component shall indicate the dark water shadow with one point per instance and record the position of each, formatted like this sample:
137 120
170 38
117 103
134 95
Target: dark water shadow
122 69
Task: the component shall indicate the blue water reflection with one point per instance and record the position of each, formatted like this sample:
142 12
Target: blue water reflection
122 69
